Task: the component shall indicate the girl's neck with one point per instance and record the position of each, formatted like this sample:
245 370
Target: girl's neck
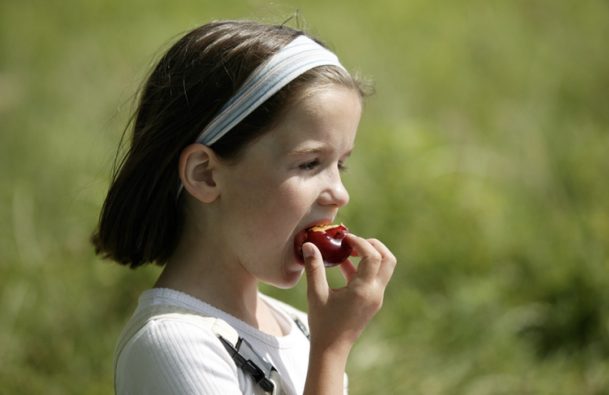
201 269
232 291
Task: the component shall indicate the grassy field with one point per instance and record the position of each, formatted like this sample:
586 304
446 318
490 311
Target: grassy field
481 162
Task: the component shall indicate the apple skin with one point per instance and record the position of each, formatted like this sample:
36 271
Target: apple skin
329 240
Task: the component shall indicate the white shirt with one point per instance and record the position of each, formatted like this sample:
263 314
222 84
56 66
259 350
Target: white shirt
176 356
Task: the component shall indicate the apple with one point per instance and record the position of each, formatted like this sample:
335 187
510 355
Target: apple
329 240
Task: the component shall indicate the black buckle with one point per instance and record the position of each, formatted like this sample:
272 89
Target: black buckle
248 365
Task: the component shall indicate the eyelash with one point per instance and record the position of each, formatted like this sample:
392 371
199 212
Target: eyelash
309 165
314 163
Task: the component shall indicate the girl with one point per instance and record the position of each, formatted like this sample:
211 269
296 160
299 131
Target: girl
239 139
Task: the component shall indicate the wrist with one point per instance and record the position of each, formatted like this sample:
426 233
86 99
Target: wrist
326 370
335 349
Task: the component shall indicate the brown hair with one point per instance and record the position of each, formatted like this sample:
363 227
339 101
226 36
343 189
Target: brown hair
141 218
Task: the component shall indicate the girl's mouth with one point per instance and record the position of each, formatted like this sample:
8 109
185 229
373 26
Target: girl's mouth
299 240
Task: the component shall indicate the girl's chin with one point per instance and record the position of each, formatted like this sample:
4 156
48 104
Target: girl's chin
290 277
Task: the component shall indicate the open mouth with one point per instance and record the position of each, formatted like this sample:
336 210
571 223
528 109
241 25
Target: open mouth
299 240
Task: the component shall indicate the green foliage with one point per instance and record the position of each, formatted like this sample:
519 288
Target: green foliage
481 163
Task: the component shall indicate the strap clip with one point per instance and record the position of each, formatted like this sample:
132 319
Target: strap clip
247 359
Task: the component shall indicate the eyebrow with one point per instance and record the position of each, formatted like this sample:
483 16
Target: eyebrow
307 150
313 150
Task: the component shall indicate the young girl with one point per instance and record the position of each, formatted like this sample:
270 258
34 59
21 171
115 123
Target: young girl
239 140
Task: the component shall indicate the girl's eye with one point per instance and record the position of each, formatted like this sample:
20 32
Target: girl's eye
342 166
309 165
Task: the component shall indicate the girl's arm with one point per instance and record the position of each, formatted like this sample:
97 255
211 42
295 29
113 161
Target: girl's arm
338 316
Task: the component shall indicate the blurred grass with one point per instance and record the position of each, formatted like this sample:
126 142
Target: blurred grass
481 162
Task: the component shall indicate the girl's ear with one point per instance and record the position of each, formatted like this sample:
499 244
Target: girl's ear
197 167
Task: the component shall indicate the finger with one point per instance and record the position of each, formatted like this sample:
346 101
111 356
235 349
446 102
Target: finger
370 261
317 284
388 261
348 270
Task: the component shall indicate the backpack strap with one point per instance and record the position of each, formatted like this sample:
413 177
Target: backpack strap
244 356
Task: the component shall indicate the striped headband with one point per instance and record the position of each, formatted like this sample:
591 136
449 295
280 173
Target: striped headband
300 55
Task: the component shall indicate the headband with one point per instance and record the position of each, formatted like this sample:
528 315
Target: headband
300 55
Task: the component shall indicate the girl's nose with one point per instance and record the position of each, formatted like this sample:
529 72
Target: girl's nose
335 193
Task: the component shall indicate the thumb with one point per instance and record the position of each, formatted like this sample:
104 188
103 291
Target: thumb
317 285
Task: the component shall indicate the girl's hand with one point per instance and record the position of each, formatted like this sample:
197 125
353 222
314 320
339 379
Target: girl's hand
338 316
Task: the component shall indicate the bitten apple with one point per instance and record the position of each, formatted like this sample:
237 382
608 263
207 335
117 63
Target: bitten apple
329 240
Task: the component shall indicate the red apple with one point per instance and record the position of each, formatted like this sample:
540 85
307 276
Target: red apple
329 241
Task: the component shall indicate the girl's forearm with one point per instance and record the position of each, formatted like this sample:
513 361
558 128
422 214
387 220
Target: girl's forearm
326 372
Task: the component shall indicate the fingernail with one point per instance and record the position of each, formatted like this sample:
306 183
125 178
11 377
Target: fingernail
307 251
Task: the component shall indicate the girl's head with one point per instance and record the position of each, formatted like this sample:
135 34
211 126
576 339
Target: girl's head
142 217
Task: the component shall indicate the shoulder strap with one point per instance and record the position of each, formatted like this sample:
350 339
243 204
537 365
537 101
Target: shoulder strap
238 348
143 316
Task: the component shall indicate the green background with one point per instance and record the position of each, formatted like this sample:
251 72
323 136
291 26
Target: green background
481 162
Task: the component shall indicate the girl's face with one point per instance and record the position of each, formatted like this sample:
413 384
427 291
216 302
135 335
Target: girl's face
286 181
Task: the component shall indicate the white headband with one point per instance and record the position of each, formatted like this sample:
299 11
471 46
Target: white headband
300 55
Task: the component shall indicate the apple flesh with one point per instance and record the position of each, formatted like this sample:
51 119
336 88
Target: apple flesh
329 240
